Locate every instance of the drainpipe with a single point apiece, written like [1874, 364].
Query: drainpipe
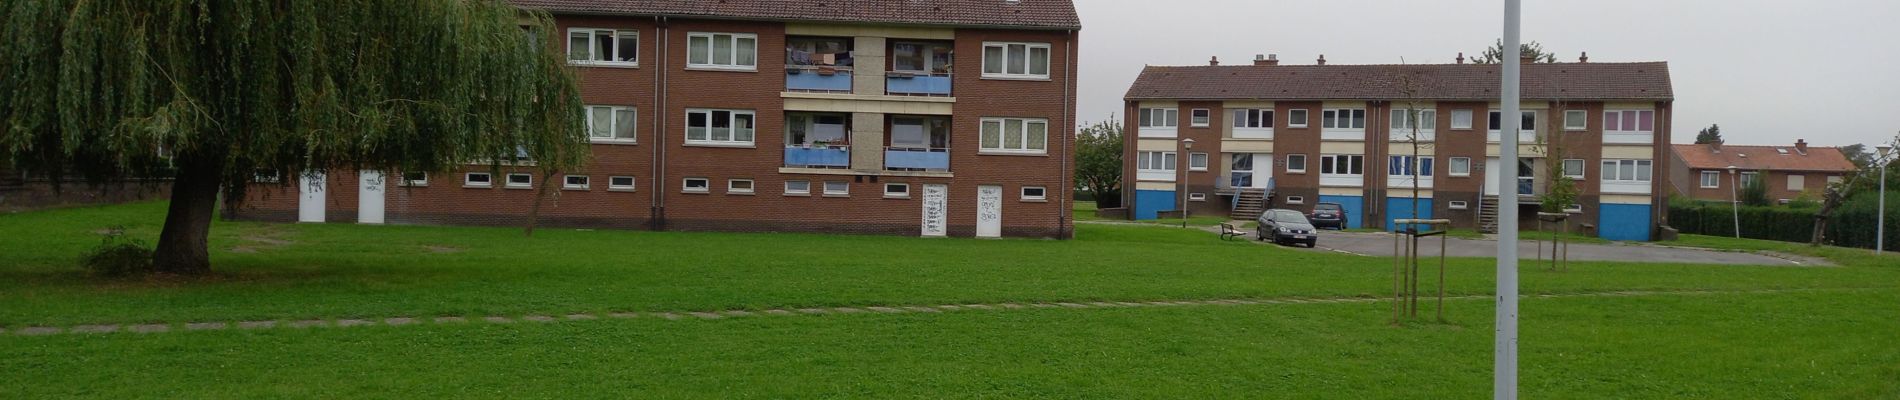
[658, 181]
[1063, 208]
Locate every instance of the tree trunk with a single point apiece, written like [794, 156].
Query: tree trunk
[183, 246]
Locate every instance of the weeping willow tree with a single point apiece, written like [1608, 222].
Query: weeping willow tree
[208, 93]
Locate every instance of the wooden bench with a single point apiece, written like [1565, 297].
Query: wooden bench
[1229, 230]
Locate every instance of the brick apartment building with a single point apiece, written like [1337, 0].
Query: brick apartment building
[939, 118]
[1701, 171]
[1268, 135]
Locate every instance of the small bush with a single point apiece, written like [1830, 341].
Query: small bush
[117, 256]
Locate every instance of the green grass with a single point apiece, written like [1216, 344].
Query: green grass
[1819, 344]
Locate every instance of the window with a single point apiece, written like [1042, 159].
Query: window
[610, 123]
[266, 176]
[417, 179]
[921, 57]
[1527, 124]
[518, 181]
[696, 185]
[1576, 120]
[738, 186]
[1343, 118]
[1402, 119]
[837, 188]
[1253, 118]
[817, 130]
[1296, 118]
[1460, 166]
[1711, 179]
[603, 46]
[574, 182]
[1573, 208]
[797, 188]
[1197, 196]
[1629, 120]
[1833, 179]
[478, 179]
[1460, 119]
[1342, 164]
[1015, 135]
[1016, 60]
[1296, 200]
[1197, 161]
[1573, 168]
[1155, 161]
[1459, 205]
[896, 190]
[1626, 170]
[719, 127]
[1407, 165]
[1035, 193]
[734, 51]
[1158, 117]
[1296, 163]
[1797, 182]
[1200, 117]
[920, 132]
[620, 183]
[1747, 177]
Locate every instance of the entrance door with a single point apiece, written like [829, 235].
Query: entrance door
[310, 206]
[1526, 176]
[989, 211]
[1250, 170]
[369, 198]
[935, 215]
[1490, 177]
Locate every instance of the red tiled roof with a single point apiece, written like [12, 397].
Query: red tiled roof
[1824, 159]
[1575, 81]
[1031, 14]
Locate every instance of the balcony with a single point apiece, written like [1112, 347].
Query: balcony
[818, 156]
[819, 79]
[917, 159]
[917, 83]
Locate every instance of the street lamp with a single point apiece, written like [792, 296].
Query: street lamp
[1880, 230]
[1187, 145]
[1734, 200]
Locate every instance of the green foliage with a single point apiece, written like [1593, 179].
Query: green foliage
[1754, 190]
[1852, 225]
[1098, 161]
[117, 256]
[1534, 50]
[1711, 134]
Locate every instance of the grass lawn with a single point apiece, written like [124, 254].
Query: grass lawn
[1834, 343]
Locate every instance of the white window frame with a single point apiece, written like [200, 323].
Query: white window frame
[1573, 208]
[732, 123]
[790, 191]
[1024, 192]
[593, 35]
[1704, 179]
[1576, 120]
[424, 182]
[1402, 129]
[1029, 51]
[1296, 200]
[632, 184]
[1466, 113]
[1155, 165]
[567, 182]
[1459, 205]
[686, 185]
[844, 192]
[1251, 123]
[1338, 178]
[1617, 181]
[733, 58]
[1197, 196]
[1451, 167]
[1343, 116]
[732, 186]
[1301, 115]
[468, 180]
[1524, 135]
[1200, 117]
[1197, 161]
[1303, 164]
[1580, 173]
[1158, 118]
[1797, 182]
[613, 124]
[510, 181]
[900, 194]
[1002, 140]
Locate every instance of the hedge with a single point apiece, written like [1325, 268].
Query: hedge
[1851, 226]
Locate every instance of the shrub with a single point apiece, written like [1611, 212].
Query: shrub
[118, 256]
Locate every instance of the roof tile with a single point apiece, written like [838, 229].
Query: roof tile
[1033, 14]
[1596, 81]
[1702, 156]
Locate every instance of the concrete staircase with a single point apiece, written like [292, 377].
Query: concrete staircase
[1488, 214]
[1248, 204]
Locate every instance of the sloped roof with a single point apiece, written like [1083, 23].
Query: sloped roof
[1030, 14]
[1571, 81]
[1819, 159]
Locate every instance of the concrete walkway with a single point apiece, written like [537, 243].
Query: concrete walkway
[1380, 245]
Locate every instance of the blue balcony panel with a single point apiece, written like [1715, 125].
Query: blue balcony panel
[839, 81]
[917, 159]
[817, 157]
[924, 85]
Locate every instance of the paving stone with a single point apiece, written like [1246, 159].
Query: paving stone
[1160, 303]
[623, 315]
[922, 309]
[538, 318]
[206, 326]
[308, 323]
[37, 331]
[1043, 305]
[706, 315]
[1124, 303]
[884, 309]
[353, 322]
[738, 313]
[848, 310]
[498, 320]
[95, 329]
[814, 311]
[256, 324]
[1244, 301]
[778, 312]
[149, 328]
[448, 320]
[399, 321]
[579, 317]
[1072, 305]
[670, 316]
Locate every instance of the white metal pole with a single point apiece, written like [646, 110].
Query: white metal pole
[1735, 201]
[1880, 231]
[1504, 373]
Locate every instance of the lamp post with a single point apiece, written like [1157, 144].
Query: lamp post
[1187, 145]
[1504, 341]
[1734, 200]
[1880, 230]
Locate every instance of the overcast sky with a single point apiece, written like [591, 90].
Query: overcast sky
[1767, 71]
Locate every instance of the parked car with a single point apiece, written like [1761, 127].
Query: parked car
[1284, 226]
[1329, 215]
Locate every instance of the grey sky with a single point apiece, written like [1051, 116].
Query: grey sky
[1768, 72]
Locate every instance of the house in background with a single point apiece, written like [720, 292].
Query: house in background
[1268, 135]
[1701, 171]
[938, 118]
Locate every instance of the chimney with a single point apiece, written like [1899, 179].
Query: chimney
[1801, 146]
[1585, 58]
[1526, 59]
[1215, 60]
[1269, 59]
[1461, 57]
[1322, 59]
